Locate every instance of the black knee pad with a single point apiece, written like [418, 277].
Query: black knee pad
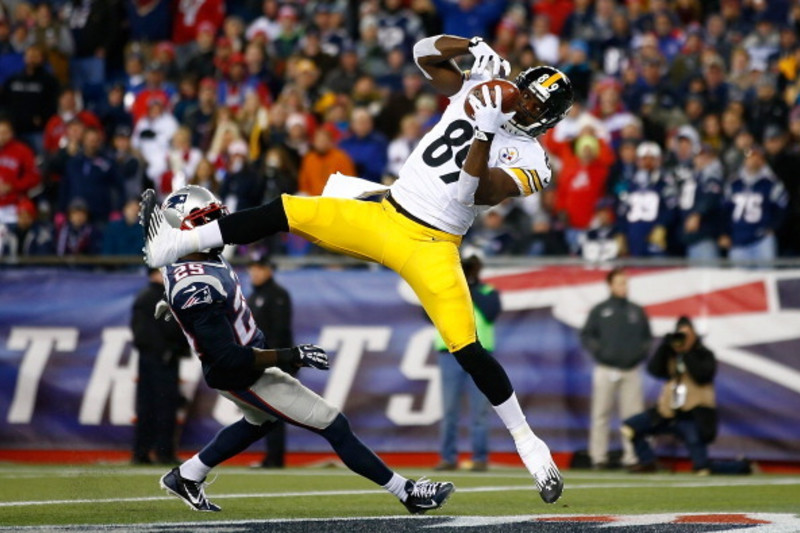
[486, 372]
[471, 357]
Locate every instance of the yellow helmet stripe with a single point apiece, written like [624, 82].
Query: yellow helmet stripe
[552, 79]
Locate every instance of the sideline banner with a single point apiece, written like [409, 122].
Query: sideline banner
[68, 371]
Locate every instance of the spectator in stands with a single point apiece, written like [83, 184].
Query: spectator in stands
[155, 87]
[400, 103]
[182, 161]
[456, 383]
[401, 147]
[617, 335]
[329, 21]
[112, 113]
[699, 204]
[150, 21]
[29, 236]
[200, 120]
[341, 79]
[55, 40]
[69, 108]
[320, 162]
[784, 160]
[366, 147]
[188, 19]
[543, 41]
[267, 23]
[576, 66]
[18, 172]
[29, 98]
[755, 207]
[280, 173]
[285, 43]
[646, 204]
[686, 406]
[152, 135]
[602, 240]
[295, 136]
[91, 176]
[78, 236]
[128, 163]
[243, 186]
[581, 183]
[124, 236]
[160, 344]
[768, 109]
[92, 23]
[186, 99]
[199, 59]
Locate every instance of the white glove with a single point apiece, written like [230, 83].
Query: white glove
[162, 309]
[484, 57]
[489, 117]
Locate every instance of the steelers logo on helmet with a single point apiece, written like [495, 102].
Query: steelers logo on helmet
[547, 97]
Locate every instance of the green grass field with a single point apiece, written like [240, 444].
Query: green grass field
[51, 495]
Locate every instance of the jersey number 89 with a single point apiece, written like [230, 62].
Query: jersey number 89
[443, 149]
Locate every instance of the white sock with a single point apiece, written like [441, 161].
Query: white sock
[194, 469]
[208, 236]
[531, 449]
[397, 486]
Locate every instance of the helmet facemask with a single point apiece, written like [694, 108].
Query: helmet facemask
[553, 90]
[192, 206]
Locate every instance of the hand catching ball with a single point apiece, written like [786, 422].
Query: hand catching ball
[510, 92]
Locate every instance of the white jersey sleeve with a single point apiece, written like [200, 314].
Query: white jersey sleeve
[427, 185]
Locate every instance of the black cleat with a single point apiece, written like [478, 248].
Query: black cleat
[425, 495]
[191, 492]
[549, 483]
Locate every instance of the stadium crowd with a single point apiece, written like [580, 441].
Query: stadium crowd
[684, 139]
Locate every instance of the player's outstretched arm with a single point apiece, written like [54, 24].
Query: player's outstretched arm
[477, 182]
[303, 355]
[434, 56]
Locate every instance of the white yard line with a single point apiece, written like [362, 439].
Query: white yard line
[526, 487]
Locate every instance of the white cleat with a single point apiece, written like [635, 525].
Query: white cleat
[160, 239]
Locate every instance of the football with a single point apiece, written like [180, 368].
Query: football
[510, 95]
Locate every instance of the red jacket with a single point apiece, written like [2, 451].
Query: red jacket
[581, 185]
[56, 128]
[190, 13]
[17, 169]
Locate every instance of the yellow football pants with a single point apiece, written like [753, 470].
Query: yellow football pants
[427, 259]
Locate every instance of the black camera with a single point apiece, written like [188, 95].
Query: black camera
[678, 337]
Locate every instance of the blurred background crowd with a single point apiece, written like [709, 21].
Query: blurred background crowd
[684, 139]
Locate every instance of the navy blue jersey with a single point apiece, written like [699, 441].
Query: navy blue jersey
[646, 201]
[754, 205]
[701, 193]
[206, 299]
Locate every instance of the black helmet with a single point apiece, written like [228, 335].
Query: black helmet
[553, 88]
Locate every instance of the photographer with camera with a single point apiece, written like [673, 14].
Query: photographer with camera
[686, 406]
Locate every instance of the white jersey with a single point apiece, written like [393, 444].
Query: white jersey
[427, 186]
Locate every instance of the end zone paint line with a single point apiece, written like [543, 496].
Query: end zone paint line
[526, 487]
[762, 522]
